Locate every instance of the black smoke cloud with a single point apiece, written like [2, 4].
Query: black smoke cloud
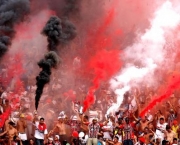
[11, 13]
[57, 32]
[50, 60]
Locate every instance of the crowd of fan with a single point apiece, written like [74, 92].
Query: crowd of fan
[124, 126]
[60, 120]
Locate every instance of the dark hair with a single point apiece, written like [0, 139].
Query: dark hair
[31, 139]
[85, 116]
[161, 118]
[11, 123]
[15, 137]
[168, 127]
[41, 118]
[116, 137]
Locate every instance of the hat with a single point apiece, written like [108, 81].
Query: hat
[57, 136]
[22, 115]
[74, 118]
[95, 118]
[50, 138]
[175, 122]
[81, 134]
[61, 115]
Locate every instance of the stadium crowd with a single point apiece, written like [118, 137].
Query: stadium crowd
[60, 119]
[57, 123]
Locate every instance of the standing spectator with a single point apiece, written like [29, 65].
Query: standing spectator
[175, 127]
[21, 126]
[128, 131]
[40, 132]
[60, 127]
[10, 132]
[93, 132]
[169, 134]
[160, 129]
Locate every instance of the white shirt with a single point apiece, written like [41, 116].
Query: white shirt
[38, 134]
[159, 133]
[109, 127]
[120, 138]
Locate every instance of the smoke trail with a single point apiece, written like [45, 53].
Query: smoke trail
[11, 13]
[57, 32]
[173, 84]
[105, 64]
[50, 60]
[148, 52]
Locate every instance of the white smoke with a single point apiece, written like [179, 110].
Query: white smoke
[149, 50]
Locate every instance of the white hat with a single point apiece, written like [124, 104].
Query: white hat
[74, 118]
[61, 115]
[50, 138]
[81, 134]
[57, 136]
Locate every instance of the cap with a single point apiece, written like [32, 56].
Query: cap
[22, 115]
[81, 134]
[57, 136]
[61, 115]
[175, 122]
[50, 138]
[95, 118]
[74, 118]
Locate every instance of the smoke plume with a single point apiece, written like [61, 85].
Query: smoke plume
[11, 13]
[149, 52]
[57, 32]
[50, 61]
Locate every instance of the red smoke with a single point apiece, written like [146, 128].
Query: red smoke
[104, 65]
[13, 71]
[104, 62]
[172, 85]
[11, 80]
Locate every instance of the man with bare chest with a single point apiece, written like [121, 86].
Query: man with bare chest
[147, 134]
[10, 132]
[61, 129]
[21, 126]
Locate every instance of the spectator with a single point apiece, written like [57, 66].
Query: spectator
[40, 132]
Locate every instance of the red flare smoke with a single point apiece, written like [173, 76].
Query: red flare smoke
[13, 71]
[172, 85]
[105, 60]
[105, 65]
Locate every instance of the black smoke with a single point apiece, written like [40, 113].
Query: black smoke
[57, 32]
[11, 13]
[50, 60]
